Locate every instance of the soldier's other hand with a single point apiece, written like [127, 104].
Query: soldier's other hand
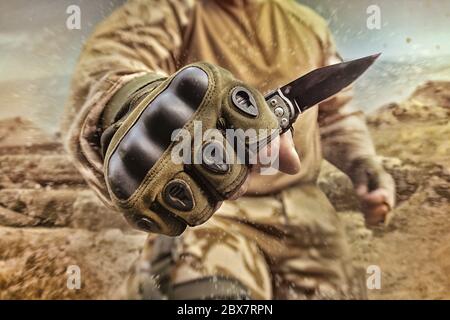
[375, 189]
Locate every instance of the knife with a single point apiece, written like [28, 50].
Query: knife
[289, 101]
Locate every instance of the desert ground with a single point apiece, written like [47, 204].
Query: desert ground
[50, 220]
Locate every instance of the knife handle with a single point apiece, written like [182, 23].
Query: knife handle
[282, 108]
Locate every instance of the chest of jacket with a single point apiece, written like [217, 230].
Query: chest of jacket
[264, 45]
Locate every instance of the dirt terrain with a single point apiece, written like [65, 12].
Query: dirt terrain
[414, 251]
[49, 220]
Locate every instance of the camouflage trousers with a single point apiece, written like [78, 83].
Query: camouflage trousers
[286, 246]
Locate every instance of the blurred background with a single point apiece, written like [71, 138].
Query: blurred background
[38, 53]
[50, 219]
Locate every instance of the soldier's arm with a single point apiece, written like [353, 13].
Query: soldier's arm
[141, 38]
[347, 144]
[344, 133]
[128, 104]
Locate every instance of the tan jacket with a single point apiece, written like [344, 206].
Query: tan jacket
[265, 43]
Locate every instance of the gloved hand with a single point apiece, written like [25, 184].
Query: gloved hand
[374, 187]
[158, 194]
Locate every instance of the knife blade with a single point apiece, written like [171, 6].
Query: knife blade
[289, 101]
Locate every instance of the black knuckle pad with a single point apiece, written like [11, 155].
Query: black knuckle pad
[242, 107]
[214, 157]
[191, 85]
[247, 109]
[186, 200]
[244, 101]
[220, 168]
[178, 195]
[121, 182]
[157, 220]
[129, 164]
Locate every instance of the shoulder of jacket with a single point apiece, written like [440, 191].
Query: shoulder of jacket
[138, 12]
[176, 4]
[308, 17]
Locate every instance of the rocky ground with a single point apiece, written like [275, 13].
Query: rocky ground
[49, 220]
[413, 250]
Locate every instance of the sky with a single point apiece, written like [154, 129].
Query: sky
[38, 53]
[408, 27]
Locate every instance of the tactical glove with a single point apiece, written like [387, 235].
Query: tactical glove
[156, 193]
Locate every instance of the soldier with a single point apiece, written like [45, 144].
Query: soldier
[131, 89]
